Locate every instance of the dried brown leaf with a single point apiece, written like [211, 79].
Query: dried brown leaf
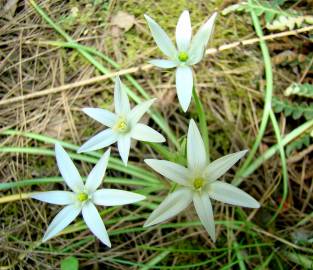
[123, 20]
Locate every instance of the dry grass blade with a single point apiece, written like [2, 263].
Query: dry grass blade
[147, 67]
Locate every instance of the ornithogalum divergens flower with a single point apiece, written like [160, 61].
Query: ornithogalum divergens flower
[188, 52]
[123, 125]
[83, 197]
[198, 183]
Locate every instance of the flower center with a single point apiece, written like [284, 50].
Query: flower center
[82, 196]
[198, 183]
[121, 125]
[183, 56]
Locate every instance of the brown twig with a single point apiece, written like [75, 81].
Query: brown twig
[146, 67]
[300, 155]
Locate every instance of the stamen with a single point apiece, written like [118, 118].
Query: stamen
[198, 183]
[183, 56]
[82, 196]
[121, 125]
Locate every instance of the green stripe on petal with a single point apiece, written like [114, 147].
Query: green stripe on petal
[55, 197]
[139, 110]
[100, 140]
[183, 31]
[228, 193]
[96, 175]
[114, 197]
[204, 210]
[121, 101]
[184, 83]
[170, 170]
[95, 223]
[142, 132]
[220, 166]
[123, 144]
[171, 206]
[200, 41]
[161, 63]
[104, 117]
[68, 170]
[196, 154]
[61, 220]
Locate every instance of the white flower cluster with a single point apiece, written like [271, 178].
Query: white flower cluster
[197, 183]
[189, 52]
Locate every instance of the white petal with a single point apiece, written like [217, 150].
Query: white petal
[100, 140]
[121, 101]
[95, 223]
[171, 206]
[196, 154]
[138, 111]
[200, 40]
[55, 197]
[183, 31]
[95, 177]
[170, 170]
[142, 132]
[161, 38]
[228, 193]
[163, 63]
[204, 210]
[123, 144]
[61, 220]
[220, 166]
[68, 170]
[113, 197]
[105, 117]
[184, 83]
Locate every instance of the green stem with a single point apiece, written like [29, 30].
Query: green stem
[202, 121]
[268, 91]
[268, 110]
[284, 166]
[240, 257]
[162, 151]
[58, 179]
[141, 174]
[155, 260]
[130, 169]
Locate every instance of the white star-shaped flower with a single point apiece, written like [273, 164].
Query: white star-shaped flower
[198, 183]
[123, 124]
[83, 197]
[188, 52]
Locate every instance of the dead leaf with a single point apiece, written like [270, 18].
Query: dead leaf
[123, 20]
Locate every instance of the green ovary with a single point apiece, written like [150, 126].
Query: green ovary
[82, 196]
[183, 56]
[198, 183]
[121, 125]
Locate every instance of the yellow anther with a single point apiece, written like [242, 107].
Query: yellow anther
[198, 183]
[121, 125]
[82, 196]
[183, 56]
